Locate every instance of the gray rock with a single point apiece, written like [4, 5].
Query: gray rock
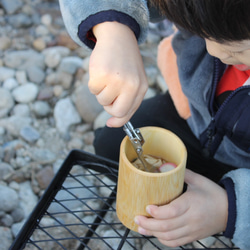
[52, 58]
[10, 83]
[14, 124]
[21, 162]
[22, 110]
[62, 51]
[43, 156]
[6, 73]
[44, 177]
[87, 104]
[41, 108]
[28, 199]
[6, 221]
[5, 238]
[16, 227]
[5, 42]
[25, 93]
[20, 20]
[35, 74]
[46, 19]
[23, 59]
[59, 78]
[101, 119]
[45, 93]
[70, 64]
[57, 165]
[75, 143]
[13, 144]
[41, 30]
[2, 131]
[5, 170]
[11, 6]
[17, 214]
[21, 76]
[29, 134]
[6, 102]
[65, 115]
[8, 199]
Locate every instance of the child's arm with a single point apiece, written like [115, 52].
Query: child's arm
[117, 76]
[80, 16]
[116, 70]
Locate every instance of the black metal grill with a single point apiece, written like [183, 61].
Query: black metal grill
[77, 211]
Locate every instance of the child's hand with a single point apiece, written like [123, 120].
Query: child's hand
[198, 213]
[116, 70]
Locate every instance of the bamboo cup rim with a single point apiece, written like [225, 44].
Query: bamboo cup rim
[156, 175]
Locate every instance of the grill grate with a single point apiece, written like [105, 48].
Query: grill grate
[77, 211]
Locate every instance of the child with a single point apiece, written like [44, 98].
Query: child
[206, 65]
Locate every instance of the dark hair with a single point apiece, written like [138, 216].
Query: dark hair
[220, 20]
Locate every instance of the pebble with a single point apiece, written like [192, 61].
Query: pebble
[5, 43]
[44, 177]
[5, 238]
[25, 93]
[21, 109]
[5, 170]
[21, 77]
[27, 198]
[11, 6]
[43, 156]
[41, 108]
[6, 73]
[70, 64]
[6, 102]
[86, 104]
[29, 134]
[35, 74]
[8, 199]
[10, 83]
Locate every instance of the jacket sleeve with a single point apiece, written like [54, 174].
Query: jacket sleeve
[80, 16]
[237, 184]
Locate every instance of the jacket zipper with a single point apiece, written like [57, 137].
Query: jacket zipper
[211, 130]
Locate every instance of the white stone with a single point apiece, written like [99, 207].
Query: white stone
[25, 93]
[6, 73]
[21, 76]
[65, 115]
[70, 64]
[46, 19]
[28, 199]
[41, 30]
[52, 58]
[10, 83]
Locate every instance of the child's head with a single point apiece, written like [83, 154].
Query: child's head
[219, 20]
[225, 25]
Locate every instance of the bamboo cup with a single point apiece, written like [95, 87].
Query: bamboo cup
[136, 188]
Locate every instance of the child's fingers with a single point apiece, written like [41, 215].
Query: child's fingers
[174, 209]
[160, 226]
